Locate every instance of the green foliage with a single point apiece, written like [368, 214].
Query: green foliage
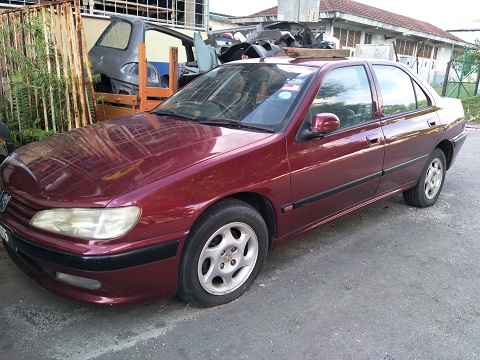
[26, 77]
[36, 88]
[472, 108]
[474, 53]
[468, 61]
[460, 91]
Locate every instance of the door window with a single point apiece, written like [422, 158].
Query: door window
[400, 94]
[346, 93]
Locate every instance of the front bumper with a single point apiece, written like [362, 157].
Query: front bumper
[130, 277]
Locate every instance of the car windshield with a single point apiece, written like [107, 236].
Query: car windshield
[243, 94]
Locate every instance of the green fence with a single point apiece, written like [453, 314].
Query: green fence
[462, 77]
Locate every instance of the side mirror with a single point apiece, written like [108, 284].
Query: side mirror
[324, 123]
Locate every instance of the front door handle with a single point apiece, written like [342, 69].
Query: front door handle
[374, 140]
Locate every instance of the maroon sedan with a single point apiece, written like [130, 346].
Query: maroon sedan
[187, 199]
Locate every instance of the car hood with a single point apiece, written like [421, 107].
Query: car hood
[97, 163]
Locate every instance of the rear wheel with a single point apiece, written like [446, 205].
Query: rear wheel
[104, 85]
[223, 254]
[427, 190]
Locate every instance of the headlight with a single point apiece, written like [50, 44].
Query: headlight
[101, 223]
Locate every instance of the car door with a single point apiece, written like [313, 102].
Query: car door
[343, 168]
[410, 124]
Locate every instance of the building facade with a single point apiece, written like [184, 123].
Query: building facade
[368, 31]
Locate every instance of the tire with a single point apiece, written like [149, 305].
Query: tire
[104, 85]
[427, 190]
[223, 254]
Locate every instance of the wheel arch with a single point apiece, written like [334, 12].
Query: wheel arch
[447, 148]
[259, 203]
[210, 227]
[264, 207]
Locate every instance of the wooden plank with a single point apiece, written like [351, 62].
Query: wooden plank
[112, 106]
[115, 105]
[158, 92]
[173, 70]
[120, 99]
[107, 112]
[307, 53]
[142, 75]
[145, 92]
[152, 104]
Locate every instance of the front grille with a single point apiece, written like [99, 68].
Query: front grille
[18, 211]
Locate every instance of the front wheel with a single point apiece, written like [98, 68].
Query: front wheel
[426, 191]
[223, 254]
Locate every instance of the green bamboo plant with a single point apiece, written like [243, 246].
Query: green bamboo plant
[40, 94]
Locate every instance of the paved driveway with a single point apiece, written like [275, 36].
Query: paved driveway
[388, 282]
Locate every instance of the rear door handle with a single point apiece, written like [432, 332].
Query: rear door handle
[431, 122]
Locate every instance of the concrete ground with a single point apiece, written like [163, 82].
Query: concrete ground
[387, 282]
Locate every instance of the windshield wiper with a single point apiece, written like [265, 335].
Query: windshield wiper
[233, 124]
[214, 122]
[173, 113]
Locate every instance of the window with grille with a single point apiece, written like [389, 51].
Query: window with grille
[404, 47]
[186, 14]
[347, 37]
[425, 51]
[189, 14]
[368, 38]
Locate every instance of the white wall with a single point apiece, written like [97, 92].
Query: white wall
[93, 27]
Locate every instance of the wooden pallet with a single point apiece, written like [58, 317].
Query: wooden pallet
[307, 53]
[111, 106]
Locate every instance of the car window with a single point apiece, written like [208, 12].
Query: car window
[400, 94]
[346, 93]
[117, 35]
[259, 94]
[422, 99]
[158, 46]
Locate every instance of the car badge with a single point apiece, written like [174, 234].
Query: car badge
[4, 199]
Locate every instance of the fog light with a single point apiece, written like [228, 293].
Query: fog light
[79, 281]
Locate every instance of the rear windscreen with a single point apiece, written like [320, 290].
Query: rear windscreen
[116, 35]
